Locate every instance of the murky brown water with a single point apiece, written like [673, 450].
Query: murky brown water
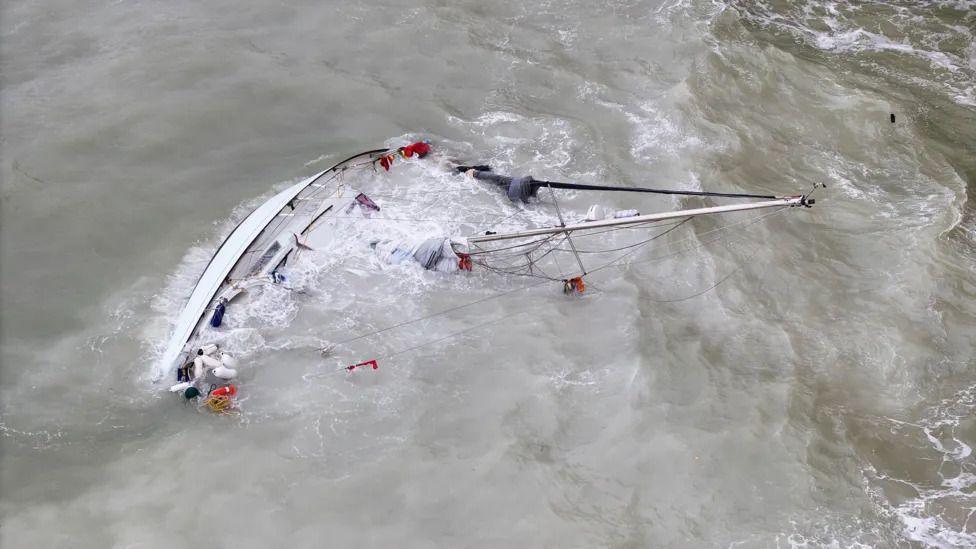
[822, 395]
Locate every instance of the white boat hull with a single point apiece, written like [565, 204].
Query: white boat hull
[267, 236]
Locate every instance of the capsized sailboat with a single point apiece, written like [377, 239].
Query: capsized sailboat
[305, 215]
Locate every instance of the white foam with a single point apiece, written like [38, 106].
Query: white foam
[919, 35]
[920, 516]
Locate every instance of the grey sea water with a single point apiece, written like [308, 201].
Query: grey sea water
[823, 395]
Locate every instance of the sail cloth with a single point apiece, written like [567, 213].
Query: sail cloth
[433, 254]
[517, 188]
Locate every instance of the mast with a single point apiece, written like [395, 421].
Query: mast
[526, 186]
[788, 201]
[611, 188]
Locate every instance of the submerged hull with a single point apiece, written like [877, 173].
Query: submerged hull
[263, 242]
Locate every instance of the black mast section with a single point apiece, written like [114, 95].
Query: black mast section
[585, 187]
[524, 187]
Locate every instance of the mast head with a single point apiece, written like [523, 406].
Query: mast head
[808, 202]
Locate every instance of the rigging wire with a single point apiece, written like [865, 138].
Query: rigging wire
[717, 231]
[454, 334]
[613, 264]
[441, 312]
[569, 239]
[643, 227]
[422, 345]
[512, 247]
[516, 313]
[319, 188]
[641, 243]
[534, 262]
[738, 268]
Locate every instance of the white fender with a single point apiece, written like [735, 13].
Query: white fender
[596, 213]
[209, 349]
[228, 360]
[198, 367]
[225, 373]
[180, 387]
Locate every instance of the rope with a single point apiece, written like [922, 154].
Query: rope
[700, 244]
[516, 212]
[530, 286]
[451, 335]
[634, 248]
[220, 404]
[530, 263]
[547, 278]
[614, 263]
[512, 247]
[562, 223]
[422, 345]
[439, 313]
[636, 227]
[746, 222]
[544, 239]
[641, 243]
[710, 288]
[648, 241]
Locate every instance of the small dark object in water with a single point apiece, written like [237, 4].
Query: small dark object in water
[892, 118]
[218, 315]
[478, 168]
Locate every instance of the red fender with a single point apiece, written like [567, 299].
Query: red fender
[229, 391]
